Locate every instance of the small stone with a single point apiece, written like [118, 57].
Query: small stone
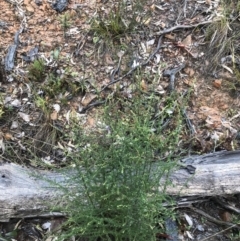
[200, 228]
[189, 71]
[217, 83]
[54, 115]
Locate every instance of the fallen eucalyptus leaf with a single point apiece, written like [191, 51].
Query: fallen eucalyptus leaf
[24, 116]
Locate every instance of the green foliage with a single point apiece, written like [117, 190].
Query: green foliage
[64, 84]
[238, 6]
[65, 22]
[117, 172]
[43, 105]
[223, 35]
[37, 70]
[2, 111]
[111, 29]
[119, 21]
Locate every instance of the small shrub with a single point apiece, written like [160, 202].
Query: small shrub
[118, 168]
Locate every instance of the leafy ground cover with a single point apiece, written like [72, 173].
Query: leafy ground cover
[90, 83]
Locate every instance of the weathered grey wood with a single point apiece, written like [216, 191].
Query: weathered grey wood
[25, 192]
[216, 174]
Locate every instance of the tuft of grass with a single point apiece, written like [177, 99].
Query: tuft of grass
[37, 70]
[43, 105]
[65, 22]
[2, 108]
[223, 35]
[44, 140]
[117, 172]
[120, 20]
[63, 85]
[111, 28]
[41, 140]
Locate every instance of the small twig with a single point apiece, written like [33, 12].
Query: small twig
[116, 70]
[212, 219]
[80, 44]
[133, 69]
[226, 205]
[97, 103]
[12, 2]
[184, 8]
[169, 30]
[235, 116]
[181, 45]
[222, 231]
[171, 73]
[189, 123]
[161, 33]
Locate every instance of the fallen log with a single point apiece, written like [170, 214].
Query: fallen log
[26, 192]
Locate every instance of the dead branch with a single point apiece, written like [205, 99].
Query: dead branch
[26, 192]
